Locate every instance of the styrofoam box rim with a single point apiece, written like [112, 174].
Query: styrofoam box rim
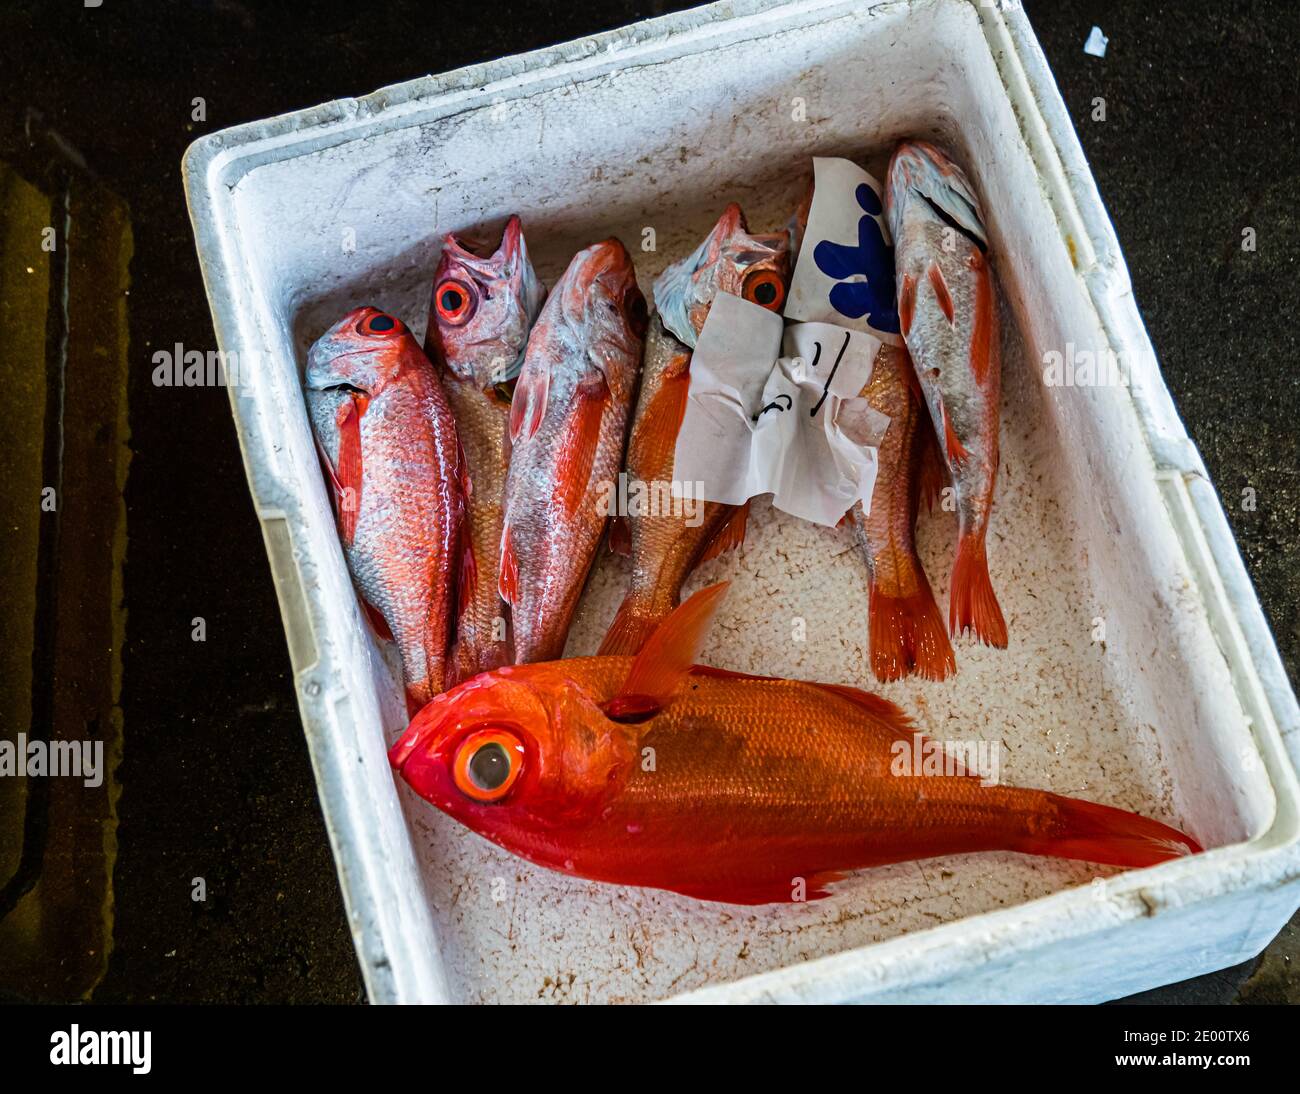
[381, 885]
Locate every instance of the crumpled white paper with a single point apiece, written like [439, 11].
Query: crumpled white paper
[845, 270]
[790, 425]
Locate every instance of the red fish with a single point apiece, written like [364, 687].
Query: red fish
[667, 543]
[906, 629]
[479, 318]
[948, 312]
[388, 442]
[568, 421]
[653, 771]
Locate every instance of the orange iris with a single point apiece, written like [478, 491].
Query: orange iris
[455, 301]
[379, 324]
[764, 288]
[487, 764]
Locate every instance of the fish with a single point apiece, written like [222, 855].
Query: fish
[948, 312]
[657, 772]
[667, 541]
[568, 425]
[388, 443]
[480, 313]
[906, 630]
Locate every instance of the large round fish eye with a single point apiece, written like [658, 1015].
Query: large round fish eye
[764, 288]
[378, 324]
[487, 764]
[455, 301]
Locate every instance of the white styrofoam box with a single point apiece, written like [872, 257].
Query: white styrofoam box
[1105, 517]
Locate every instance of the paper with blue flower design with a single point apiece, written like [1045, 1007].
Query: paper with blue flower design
[845, 270]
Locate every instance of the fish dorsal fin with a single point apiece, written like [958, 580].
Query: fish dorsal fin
[878, 708]
[666, 658]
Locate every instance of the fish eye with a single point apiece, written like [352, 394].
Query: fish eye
[764, 288]
[378, 324]
[487, 764]
[455, 301]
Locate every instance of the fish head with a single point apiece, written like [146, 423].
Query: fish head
[923, 182]
[730, 260]
[597, 304]
[363, 351]
[517, 749]
[483, 307]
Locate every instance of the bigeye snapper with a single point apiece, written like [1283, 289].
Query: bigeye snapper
[948, 311]
[667, 543]
[568, 423]
[905, 630]
[480, 314]
[657, 772]
[388, 443]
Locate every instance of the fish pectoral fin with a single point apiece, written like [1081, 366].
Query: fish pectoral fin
[654, 438]
[508, 575]
[347, 478]
[528, 404]
[578, 449]
[731, 534]
[941, 294]
[666, 658]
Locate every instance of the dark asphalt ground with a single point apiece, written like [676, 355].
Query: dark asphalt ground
[1200, 142]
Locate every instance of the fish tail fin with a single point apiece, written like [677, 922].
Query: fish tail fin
[632, 626]
[972, 603]
[907, 635]
[1100, 833]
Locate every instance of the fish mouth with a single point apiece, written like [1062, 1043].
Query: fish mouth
[477, 257]
[606, 263]
[924, 170]
[421, 729]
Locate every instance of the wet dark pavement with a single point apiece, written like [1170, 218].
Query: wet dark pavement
[1200, 142]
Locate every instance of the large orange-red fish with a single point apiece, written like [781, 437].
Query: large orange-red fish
[568, 422]
[388, 442]
[667, 541]
[905, 628]
[947, 309]
[481, 311]
[654, 771]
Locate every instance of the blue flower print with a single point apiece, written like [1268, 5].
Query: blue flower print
[871, 266]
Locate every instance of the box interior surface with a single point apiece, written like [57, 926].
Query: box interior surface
[1112, 689]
